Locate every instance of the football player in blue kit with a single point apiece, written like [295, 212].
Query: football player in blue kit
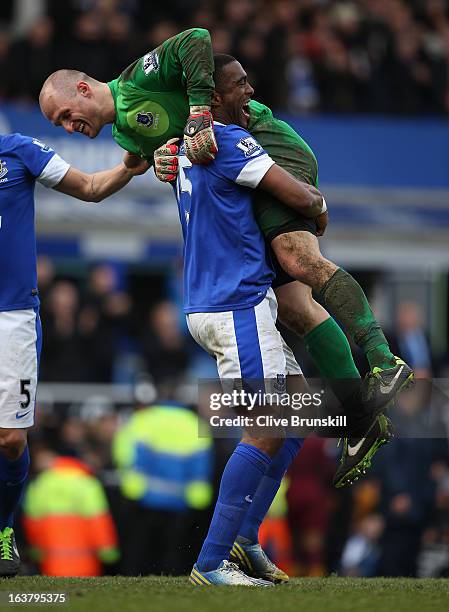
[23, 161]
[231, 312]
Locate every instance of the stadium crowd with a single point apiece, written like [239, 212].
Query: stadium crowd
[339, 56]
[393, 522]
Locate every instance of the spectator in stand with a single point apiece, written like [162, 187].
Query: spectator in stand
[124, 46]
[32, 58]
[62, 360]
[411, 339]
[165, 349]
[102, 282]
[406, 501]
[87, 47]
[303, 96]
[70, 438]
[101, 422]
[221, 40]
[433, 560]
[5, 59]
[250, 49]
[378, 40]
[106, 323]
[66, 13]
[45, 280]
[362, 552]
[179, 11]
[159, 32]
[336, 80]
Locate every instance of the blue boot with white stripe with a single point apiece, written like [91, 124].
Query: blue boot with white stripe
[226, 574]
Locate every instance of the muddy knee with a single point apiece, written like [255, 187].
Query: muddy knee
[299, 255]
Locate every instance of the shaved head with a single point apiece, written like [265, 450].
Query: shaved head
[63, 83]
[74, 100]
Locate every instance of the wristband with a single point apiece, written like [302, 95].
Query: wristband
[198, 109]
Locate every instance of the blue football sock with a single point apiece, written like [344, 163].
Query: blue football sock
[268, 488]
[13, 475]
[241, 477]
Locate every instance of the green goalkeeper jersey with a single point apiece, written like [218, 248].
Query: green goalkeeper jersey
[153, 95]
[292, 153]
[283, 144]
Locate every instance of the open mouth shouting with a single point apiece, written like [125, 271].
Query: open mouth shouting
[245, 112]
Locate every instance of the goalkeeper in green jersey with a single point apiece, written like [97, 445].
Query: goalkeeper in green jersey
[162, 94]
[168, 92]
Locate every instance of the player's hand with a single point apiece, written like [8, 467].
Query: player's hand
[321, 223]
[199, 137]
[166, 161]
[135, 164]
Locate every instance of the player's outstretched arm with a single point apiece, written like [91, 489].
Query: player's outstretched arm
[190, 53]
[98, 186]
[192, 50]
[302, 197]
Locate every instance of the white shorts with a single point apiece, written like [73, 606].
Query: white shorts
[20, 342]
[245, 343]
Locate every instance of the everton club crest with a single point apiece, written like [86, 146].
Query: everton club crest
[3, 169]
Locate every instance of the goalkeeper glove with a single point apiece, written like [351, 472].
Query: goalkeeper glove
[199, 137]
[166, 161]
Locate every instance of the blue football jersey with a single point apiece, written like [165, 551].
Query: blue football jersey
[23, 160]
[225, 261]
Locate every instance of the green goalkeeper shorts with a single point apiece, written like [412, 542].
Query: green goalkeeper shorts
[274, 219]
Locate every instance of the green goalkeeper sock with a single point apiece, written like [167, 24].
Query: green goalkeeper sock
[344, 297]
[329, 349]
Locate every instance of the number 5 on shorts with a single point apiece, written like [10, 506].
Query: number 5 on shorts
[24, 391]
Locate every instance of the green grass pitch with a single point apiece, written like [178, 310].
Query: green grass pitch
[119, 594]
